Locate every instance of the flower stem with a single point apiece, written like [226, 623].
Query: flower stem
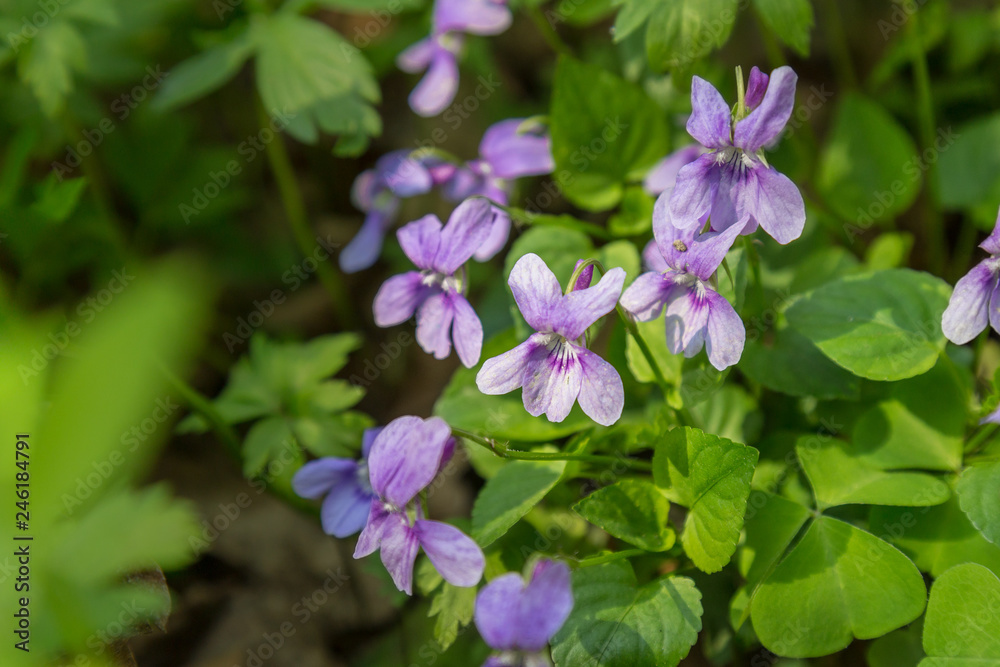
[295, 211]
[613, 556]
[503, 451]
[754, 260]
[840, 50]
[549, 33]
[981, 437]
[204, 408]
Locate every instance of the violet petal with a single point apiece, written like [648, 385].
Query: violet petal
[763, 125]
[405, 457]
[454, 554]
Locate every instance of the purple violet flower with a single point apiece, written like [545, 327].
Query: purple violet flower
[377, 192]
[734, 184]
[404, 460]
[682, 262]
[551, 366]
[992, 418]
[346, 486]
[510, 149]
[438, 53]
[663, 175]
[435, 292]
[519, 619]
[975, 303]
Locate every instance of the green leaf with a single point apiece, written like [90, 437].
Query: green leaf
[308, 73]
[920, 424]
[198, 76]
[711, 477]
[861, 184]
[900, 648]
[979, 496]
[936, 538]
[836, 584]
[454, 607]
[788, 362]
[631, 16]
[559, 248]
[509, 495]
[617, 623]
[682, 32]
[635, 216]
[881, 326]
[633, 510]
[605, 131]
[267, 440]
[968, 170]
[48, 65]
[840, 477]
[790, 20]
[620, 254]
[962, 628]
[655, 337]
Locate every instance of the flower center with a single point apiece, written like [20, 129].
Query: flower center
[445, 283]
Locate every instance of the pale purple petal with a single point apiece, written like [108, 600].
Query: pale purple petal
[687, 317]
[478, 17]
[967, 313]
[438, 87]
[398, 298]
[644, 298]
[672, 240]
[316, 478]
[710, 119]
[467, 331]
[513, 154]
[399, 551]
[694, 192]
[585, 277]
[992, 418]
[505, 373]
[653, 259]
[580, 309]
[463, 183]
[725, 335]
[545, 605]
[536, 291]
[405, 457]
[664, 174]
[368, 439]
[728, 205]
[364, 248]
[364, 189]
[602, 395]
[368, 540]
[706, 253]
[771, 200]
[498, 609]
[995, 309]
[763, 125]
[497, 239]
[454, 554]
[345, 510]
[756, 88]
[404, 175]
[434, 325]
[992, 242]
[468, 228]
[420, 240]
[552, 382]
[417, 57]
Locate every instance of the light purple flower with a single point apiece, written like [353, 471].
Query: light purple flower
[734, 184]
[377, 192]
[519, 619]
[404, 460]
[510, 149]
[435, 292]
[992, 418]
[346, 486]
[663, 175]
[683, 261]
[553, 369]
[438, 53]
[976, 299]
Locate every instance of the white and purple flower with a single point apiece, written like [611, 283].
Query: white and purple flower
[436, 293]
[682, 262]
[554, 369]
[733, 183]
[404, 460]
[975, 303]
[438, 53]
[518, 619]
[510, 149]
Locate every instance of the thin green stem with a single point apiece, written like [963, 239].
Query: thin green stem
[840, 51]
[754, 260]
[548, 33]
[204, 408]
[295, 211]
[613, 556]
[578, 271]
[925, 115]
[502, 450]
[981, 437]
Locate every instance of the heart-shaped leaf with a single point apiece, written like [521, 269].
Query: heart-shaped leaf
[962, 628]
[633, 510]
[979, 495]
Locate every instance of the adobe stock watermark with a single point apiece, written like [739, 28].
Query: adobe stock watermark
[902, 10]
[33, 24]
[122, 107]
[373, 367]
[87, 310]
[912, 170]
[218, 181]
